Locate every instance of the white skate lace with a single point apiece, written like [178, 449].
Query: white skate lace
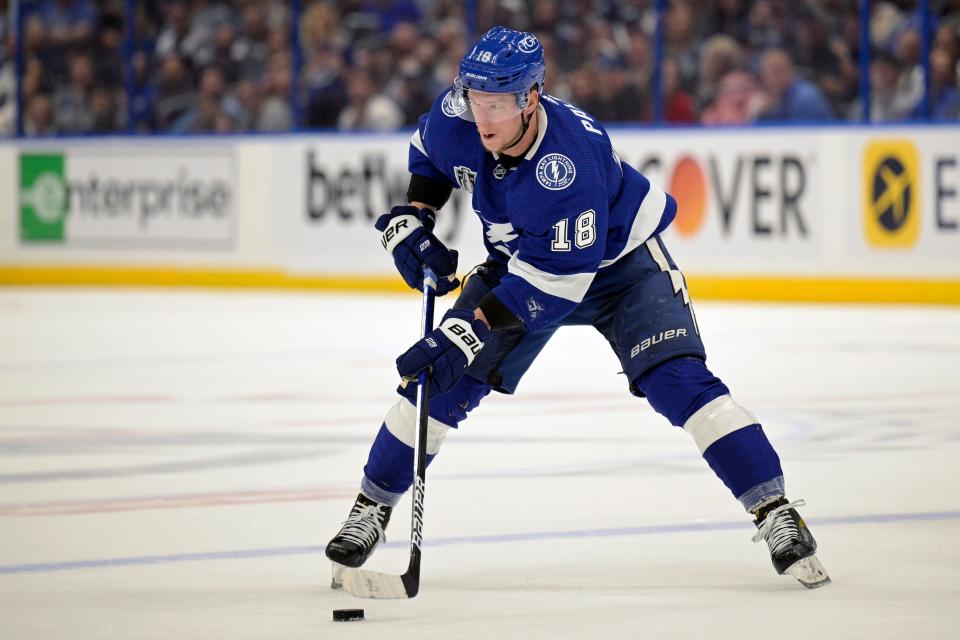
[363, 526]
[778, 528]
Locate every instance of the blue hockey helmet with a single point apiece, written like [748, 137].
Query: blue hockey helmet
[503, 61]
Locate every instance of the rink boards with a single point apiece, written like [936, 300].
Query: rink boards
[842, 213]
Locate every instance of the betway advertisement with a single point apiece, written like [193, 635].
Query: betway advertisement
[332, 189]
[126, 198]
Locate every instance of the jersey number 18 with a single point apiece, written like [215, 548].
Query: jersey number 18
[584, 235]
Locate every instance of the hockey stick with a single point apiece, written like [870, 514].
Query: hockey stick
[370, 584]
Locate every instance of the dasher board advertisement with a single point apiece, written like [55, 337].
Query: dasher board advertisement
[127, 198]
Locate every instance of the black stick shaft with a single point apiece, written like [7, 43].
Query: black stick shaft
[411, 579]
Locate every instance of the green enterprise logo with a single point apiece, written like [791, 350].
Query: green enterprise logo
[44, 197]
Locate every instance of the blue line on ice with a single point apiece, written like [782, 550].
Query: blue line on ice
[463, 540]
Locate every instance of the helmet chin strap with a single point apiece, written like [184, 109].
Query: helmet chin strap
[523, 130]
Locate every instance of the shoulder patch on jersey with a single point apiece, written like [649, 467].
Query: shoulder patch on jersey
[451, 108]
[466, 177]
[555, 171]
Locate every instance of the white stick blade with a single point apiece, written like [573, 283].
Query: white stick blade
[370, 584]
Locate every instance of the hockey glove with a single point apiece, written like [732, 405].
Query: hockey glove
[446, 351]
[407, 233]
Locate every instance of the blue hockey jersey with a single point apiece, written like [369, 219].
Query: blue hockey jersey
[569, 209]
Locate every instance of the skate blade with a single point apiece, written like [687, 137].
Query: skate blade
[809, 572]
[336, 578]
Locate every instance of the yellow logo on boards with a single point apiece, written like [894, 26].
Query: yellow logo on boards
[891, 193]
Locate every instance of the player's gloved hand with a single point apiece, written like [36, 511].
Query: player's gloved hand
[407, 233]
[446, 351]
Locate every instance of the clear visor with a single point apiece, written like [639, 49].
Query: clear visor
[480, 106]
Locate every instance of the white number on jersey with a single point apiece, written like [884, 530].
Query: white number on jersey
[585, 232]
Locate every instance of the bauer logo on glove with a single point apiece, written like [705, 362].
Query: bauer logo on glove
[446, 351]
[407, 233]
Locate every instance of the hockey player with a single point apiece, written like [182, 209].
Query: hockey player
[573, 239]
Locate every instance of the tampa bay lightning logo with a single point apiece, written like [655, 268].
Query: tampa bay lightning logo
[451, 106]
[555, 171]
[528, 44]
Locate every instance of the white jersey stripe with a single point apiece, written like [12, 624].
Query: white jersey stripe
[572, 286]
[648, 217]
[719, 417]
[417, 142]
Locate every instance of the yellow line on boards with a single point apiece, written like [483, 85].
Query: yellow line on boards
[824, 289]
[177, 277]
[758, 288]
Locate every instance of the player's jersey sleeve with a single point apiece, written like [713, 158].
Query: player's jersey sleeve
[441, 142]
[559, 251]
[419, 162]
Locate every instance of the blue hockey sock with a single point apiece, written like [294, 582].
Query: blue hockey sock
[747, 464]
[729, 437]
[389, 469]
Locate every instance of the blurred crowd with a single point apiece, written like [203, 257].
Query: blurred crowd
[248, 65]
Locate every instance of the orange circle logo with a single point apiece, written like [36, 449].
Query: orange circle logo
[689, 186]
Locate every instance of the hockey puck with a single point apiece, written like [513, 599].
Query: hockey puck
[347, 615]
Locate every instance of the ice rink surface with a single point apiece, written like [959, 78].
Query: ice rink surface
[172, 464]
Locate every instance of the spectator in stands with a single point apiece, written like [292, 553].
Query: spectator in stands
[886, 104]
[679, 106]
[910, 84]
[736, 102]
[545, 17]
[70, 23]
[639, 59]
[389, 13]
[177, 36]
[367, 108]
[211, 102]
[326, 88]
[8, 99]
[251, 50]
[600, 50]
[946, 40]
[104, 115]
[275, 112]
[720, 55]
[620, 101]
[764, 30]
[411, 82]
[8, 85]
[825, 60]
[729, 17]
[788, 97]
[944, 97]
[144, 98]
[37, 47]
[6, 42]
[38, 117]
[207, 15]
[584, 90]
[451, 39]
[248, 97]
[221, 52]
[175, 92]
[109, 61]
[682, 43]
[71, 102]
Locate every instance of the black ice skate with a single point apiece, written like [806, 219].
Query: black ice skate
[360, 534]
[792, 546]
